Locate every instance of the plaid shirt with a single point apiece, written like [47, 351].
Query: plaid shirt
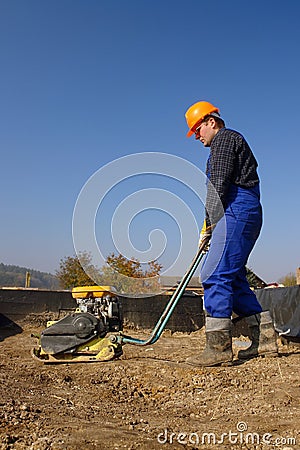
[231, 161]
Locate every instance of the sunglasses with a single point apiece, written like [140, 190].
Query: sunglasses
[197, 130]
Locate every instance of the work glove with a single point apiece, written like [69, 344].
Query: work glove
[205, 236]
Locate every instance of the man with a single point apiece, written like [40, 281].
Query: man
[233, 221]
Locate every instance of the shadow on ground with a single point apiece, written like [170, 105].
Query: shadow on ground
[8, 327]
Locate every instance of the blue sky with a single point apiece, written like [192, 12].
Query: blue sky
[86, 82]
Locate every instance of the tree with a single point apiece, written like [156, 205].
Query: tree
[288, 280]
[71, 272]
[128, 276]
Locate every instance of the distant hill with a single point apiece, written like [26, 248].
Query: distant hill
[14, 276]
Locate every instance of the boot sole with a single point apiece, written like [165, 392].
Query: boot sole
[216, 364]
[226, 364]
[262, 355]
[268, 354]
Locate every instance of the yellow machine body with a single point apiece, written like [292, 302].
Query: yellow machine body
[91, 291]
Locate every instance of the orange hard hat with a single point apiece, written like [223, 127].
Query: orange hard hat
[196, 113]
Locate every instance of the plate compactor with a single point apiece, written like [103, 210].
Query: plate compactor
[93, 333]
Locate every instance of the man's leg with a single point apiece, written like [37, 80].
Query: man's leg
[245, 303]
[226, 258]
[263, 337]
[218, 349]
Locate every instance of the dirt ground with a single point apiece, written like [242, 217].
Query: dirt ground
[147, 399]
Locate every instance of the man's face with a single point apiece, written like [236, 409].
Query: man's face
[206, 131]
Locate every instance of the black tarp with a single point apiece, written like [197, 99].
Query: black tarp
[284, 306]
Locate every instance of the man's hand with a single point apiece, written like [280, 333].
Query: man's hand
[205, 236]
[205, 239]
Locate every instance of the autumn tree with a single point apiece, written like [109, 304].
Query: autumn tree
[289, 280]
[71, 272]
[129, 277]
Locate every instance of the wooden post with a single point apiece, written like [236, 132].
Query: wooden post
[27, 280]
[298, 275]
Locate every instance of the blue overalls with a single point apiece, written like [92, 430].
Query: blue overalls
[223, 273]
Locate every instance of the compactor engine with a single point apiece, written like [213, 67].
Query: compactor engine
[106, 307]
[81, 335]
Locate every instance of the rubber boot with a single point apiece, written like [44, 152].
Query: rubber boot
[218, 348]
[263, 337]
